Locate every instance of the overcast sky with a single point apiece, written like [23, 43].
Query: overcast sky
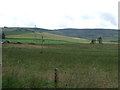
[54, 14]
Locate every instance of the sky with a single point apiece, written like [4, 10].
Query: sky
[58, 14]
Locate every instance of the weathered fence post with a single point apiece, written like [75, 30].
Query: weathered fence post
[56, 78]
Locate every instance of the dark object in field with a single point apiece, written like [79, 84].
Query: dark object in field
[5, 41]
[19, 43]
[56, 78]
[3, 35]
[5, 27]
[93, 41]
[100, 40]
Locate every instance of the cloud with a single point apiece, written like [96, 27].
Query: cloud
[86, 17]
[54, 14]
[108, 17]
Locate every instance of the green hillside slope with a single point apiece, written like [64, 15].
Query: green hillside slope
[49, 36]
[107, 34]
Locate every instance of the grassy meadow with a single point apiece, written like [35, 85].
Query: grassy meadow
[38, 41]
[79, 66]
[46, 36]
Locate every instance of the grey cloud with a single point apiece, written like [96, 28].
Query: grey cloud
[86, 17]
[69, 18]
[108, 17]
[18, 21]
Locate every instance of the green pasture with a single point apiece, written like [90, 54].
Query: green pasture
[79, 66]
[7, 33]
[47, 41]
[49, 36]
[38, 41]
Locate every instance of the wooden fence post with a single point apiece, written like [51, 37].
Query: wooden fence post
[56, 78]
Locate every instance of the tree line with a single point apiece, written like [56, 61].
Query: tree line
[99, 39]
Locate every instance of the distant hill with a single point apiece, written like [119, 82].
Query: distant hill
[107, 34]
[23, 29]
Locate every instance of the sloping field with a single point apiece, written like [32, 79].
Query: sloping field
[49, 36]
[107, 34]
[32, 34]
[37, 41]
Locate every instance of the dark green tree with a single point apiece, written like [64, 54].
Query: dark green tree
[92, 41]
[3, 35]
[100, 40]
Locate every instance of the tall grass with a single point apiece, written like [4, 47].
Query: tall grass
[80, 66]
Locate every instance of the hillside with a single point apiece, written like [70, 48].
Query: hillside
[47, 36]
[107, 34]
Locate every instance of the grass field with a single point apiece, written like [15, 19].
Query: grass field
[47, 36]
[34, 37]
[79, 65]
[38, 41]
[7, 33]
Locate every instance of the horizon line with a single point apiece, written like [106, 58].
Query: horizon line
[57, 28]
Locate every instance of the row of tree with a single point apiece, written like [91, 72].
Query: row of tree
[99, 39]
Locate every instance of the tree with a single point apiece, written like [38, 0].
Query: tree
[100, 40]
[92, 41]
[3, 36]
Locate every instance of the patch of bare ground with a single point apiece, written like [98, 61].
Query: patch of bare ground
[27, 46]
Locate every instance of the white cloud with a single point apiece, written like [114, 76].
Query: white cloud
[54, 14]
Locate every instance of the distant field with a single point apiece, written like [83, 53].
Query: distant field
[107, 34]
[79, 65]
[31, 33]
[38, 41]
[48, 36]
[15, 32]
[27, 37]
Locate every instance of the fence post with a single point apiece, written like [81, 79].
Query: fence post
[56, 78]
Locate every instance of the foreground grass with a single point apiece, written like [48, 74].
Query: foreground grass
[80, 66]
